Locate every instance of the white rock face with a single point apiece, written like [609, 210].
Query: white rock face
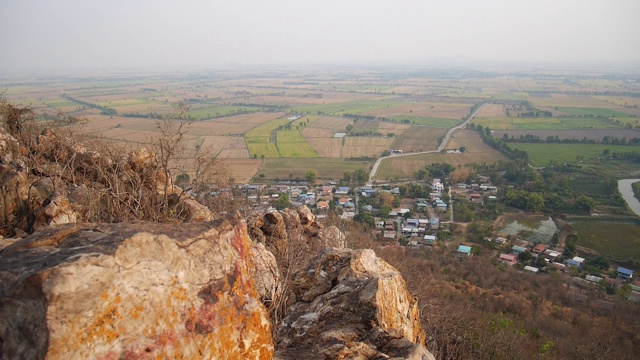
[133, 291]
[353, 305]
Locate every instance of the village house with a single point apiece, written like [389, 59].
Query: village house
[436, 185]
[389, 235]
[518, 249]
[464, 250]
[576, 262]
[539, 249]
[322, 205]
[342, 190]
[624, 273]
[429, 239]
[510, 259]
[379, 224]
[326, 190]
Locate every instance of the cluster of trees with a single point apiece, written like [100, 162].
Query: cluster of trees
[531, 138]
[356, 177]
[103, 109]
[498, 144]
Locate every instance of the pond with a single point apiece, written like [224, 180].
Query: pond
[540, 231]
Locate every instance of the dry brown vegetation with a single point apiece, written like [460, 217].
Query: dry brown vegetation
[475, 308]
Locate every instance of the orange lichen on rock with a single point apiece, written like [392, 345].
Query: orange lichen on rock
[135, 291]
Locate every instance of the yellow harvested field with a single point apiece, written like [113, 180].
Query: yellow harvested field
[419, 138]
[234, 154]
[326, 147]
[311, 132]
[381, 127]
[330, 122]
[563, 100]
[470, 139]
[492, 111]
[365, 146]
[214, 144]
[405, 166]
[241, 170]
[104, 122]
[424, 109]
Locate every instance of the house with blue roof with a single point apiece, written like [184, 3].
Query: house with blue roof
[624, 273]
[466, 250]
[518, 249]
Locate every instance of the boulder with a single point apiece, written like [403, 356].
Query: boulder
[266, 274]
[132, 291]
[193, 210]
[56, 210]
[306, 216]
[274, 225]
[353, 305]
[332, 237]
[14, 192]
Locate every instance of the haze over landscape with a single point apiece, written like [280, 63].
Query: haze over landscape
[74, 35]
[208, 179]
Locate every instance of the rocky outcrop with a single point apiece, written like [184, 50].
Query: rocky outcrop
[61, 181]
[352, 305]
[132, 291]
[275, 227]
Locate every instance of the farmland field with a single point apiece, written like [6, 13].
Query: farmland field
[616, 239]
[571, 134]
[381, 127]
[541, 154]
[326, 147]
[403, 167]
[292, 144]
[419, 138]
[282, 168]
[506, 123]
[470, 140]
[595, 112]
[365, 146]
[411, 109]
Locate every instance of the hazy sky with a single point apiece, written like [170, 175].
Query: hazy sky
[48, 35]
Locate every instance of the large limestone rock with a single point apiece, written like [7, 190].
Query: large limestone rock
[132, 291]
[56, 210]
[352, 305]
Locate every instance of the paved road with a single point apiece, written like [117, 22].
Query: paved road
[624, 186]
[442, 144]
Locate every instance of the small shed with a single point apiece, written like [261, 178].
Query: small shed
[531, 269]
[624, 273]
